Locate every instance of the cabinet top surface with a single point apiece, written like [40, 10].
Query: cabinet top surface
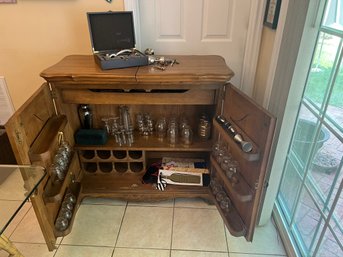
[74, 69]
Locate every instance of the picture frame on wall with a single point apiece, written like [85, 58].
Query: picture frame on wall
[271, 15]
[8, 1]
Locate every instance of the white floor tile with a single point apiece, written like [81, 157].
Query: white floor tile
[175, 253]
[128, 252]
[193, 203]
[7, 190]
[95, 225]
[168, 203]
[198, 229]
[7, 210]
[28, 230]
[102, 201]
[83, 251]
[146, 227]
[254, 255]
[266, 241]
[31, 250]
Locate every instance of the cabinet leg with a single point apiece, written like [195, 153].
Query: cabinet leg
[8, 246]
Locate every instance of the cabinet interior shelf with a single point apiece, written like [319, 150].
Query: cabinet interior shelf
[241, 190]
[128, 186]
[151, 143]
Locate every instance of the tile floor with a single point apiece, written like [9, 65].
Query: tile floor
[110, 228]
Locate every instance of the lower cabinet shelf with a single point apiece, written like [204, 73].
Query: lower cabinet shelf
[129, 186]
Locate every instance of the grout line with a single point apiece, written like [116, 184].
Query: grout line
[19, 222]
[226, 238]
[58, 247]
[172, 230]
[121, 224]
[82, 245]
[199, 251]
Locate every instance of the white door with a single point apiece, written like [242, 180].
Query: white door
[173, 27]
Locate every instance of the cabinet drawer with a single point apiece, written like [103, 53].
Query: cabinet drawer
[154, 96]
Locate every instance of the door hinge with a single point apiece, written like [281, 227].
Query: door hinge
[53, 94]
[53, 97]
[256, 185]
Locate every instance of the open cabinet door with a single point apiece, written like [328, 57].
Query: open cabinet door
[27, 122]
[34, 132]
[245, 183]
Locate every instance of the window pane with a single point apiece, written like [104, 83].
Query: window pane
[289, 189]
[308, 221]
[322, 68]
[335, 108]
[324, 174]
[334, 15]
[305, 136]
[329, 246]
[336, 221]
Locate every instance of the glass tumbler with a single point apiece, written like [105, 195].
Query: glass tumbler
[106, 124]
[225, 203]
[61, 223]
[70, 198]
[65, 213]
[220, 196]
[225, 164]
[161, 127]
[187, 135]
[172, 134]
[231, 168]
[221, 154]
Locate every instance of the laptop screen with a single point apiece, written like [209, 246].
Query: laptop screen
[111, 31]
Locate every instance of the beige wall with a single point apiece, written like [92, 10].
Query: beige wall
[34, 34]
[266, 49]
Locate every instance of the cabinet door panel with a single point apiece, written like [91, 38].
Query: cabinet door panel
[256, 125]
[26, 123]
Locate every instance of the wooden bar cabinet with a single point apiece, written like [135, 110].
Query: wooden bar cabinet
[197, 85]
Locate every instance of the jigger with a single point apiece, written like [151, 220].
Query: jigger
[245, 145]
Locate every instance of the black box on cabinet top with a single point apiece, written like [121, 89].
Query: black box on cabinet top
[113, 40]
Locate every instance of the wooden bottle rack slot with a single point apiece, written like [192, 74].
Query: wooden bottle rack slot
[53, 192]
[47, 140]
[112, 161]
[75, 188]
[241, 190]
[254, 155]
[91, 155]
[232, 220]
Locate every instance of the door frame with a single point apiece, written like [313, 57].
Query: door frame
[252, 46]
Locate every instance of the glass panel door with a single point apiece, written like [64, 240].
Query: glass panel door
[310, 195]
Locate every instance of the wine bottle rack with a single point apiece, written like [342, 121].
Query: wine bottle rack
[112, 161]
